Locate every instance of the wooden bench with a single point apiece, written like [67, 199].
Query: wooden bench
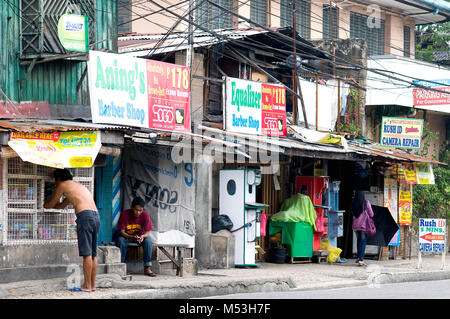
[176, 260]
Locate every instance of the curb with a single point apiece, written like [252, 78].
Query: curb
[179, 289]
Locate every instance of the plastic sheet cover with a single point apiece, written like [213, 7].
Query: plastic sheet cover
[297, 208]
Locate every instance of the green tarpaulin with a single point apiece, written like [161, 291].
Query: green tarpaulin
[297, 208]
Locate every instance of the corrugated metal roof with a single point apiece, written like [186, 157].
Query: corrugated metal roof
[33, 125]
[363, 151]
[142, 45]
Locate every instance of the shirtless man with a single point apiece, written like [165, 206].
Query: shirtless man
[88, 221]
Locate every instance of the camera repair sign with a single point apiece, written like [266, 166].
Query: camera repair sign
[432, 234]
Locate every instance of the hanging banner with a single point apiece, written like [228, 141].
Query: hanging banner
[391, 196]
[255, 108]
[425, 173]
[405, 204]
[137, 92]
[167, 188]
[432, 233]
[401, 132]
[57, 149]
[410, 173]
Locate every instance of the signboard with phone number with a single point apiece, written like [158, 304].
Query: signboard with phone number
[432, 234]
[137, 92]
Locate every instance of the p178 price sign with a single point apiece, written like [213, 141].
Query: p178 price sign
[168, 96]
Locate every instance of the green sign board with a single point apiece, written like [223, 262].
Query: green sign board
[73, 32]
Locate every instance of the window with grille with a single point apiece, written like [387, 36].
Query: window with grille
[359, 29]
[302, 16]
[39, 25]
[124, 16]
[327, 25]
[258, 11]
[212, 17]
[406, 41]
[26, 188]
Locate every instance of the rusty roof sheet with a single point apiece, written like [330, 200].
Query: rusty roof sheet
[35, 125]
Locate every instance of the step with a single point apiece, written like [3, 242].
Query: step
[42, 272]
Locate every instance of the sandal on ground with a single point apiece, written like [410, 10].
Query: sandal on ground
[361, 263]
[148, 272]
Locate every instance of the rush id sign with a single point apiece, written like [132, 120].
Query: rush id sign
[401, 132]
[137, 92]
[432, 233]
[255, 108]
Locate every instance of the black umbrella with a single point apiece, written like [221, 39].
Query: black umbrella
[386, 227]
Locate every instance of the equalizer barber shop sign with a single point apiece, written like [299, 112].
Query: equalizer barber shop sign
[138, 92]
[255, 108]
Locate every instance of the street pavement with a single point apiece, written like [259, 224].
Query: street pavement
[269, 277]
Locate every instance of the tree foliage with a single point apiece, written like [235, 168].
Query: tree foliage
[432, 39]
[433, 201]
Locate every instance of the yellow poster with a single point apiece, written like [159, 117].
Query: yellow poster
[410, 173]
[425, 173]
[57, 149]
[405, 204]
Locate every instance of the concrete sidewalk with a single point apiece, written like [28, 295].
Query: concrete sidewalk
[211, 282]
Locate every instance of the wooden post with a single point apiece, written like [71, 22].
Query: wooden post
[317, 103]
[339, 105]
[419, 261]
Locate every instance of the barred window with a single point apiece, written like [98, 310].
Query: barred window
[375, 35]
[39, 25]
[326, 22]
[302, 16]
[26, 188]
[124, 16]
[258, 11]
[406, 41]
[212, 17]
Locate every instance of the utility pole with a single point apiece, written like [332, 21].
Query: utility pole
[190, 53]
[294, 72]
[296, 83]
[332, 39]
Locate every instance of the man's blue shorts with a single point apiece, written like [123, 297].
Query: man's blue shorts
[88, 227]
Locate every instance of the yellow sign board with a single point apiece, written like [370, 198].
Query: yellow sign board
[57, 149]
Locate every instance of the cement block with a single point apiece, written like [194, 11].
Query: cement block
[110, 254]
[222, 249]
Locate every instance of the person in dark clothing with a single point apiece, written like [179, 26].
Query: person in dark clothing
[361, 210]
[135, 226]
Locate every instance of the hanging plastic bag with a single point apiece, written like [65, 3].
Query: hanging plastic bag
[263, 224]
[221, 222]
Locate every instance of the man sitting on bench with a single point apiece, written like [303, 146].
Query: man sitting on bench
[135, 225]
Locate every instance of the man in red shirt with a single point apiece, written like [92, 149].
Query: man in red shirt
[135, 226]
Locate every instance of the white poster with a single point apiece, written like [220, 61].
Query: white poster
[167, 188]
[391, 196]
[118, 89]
